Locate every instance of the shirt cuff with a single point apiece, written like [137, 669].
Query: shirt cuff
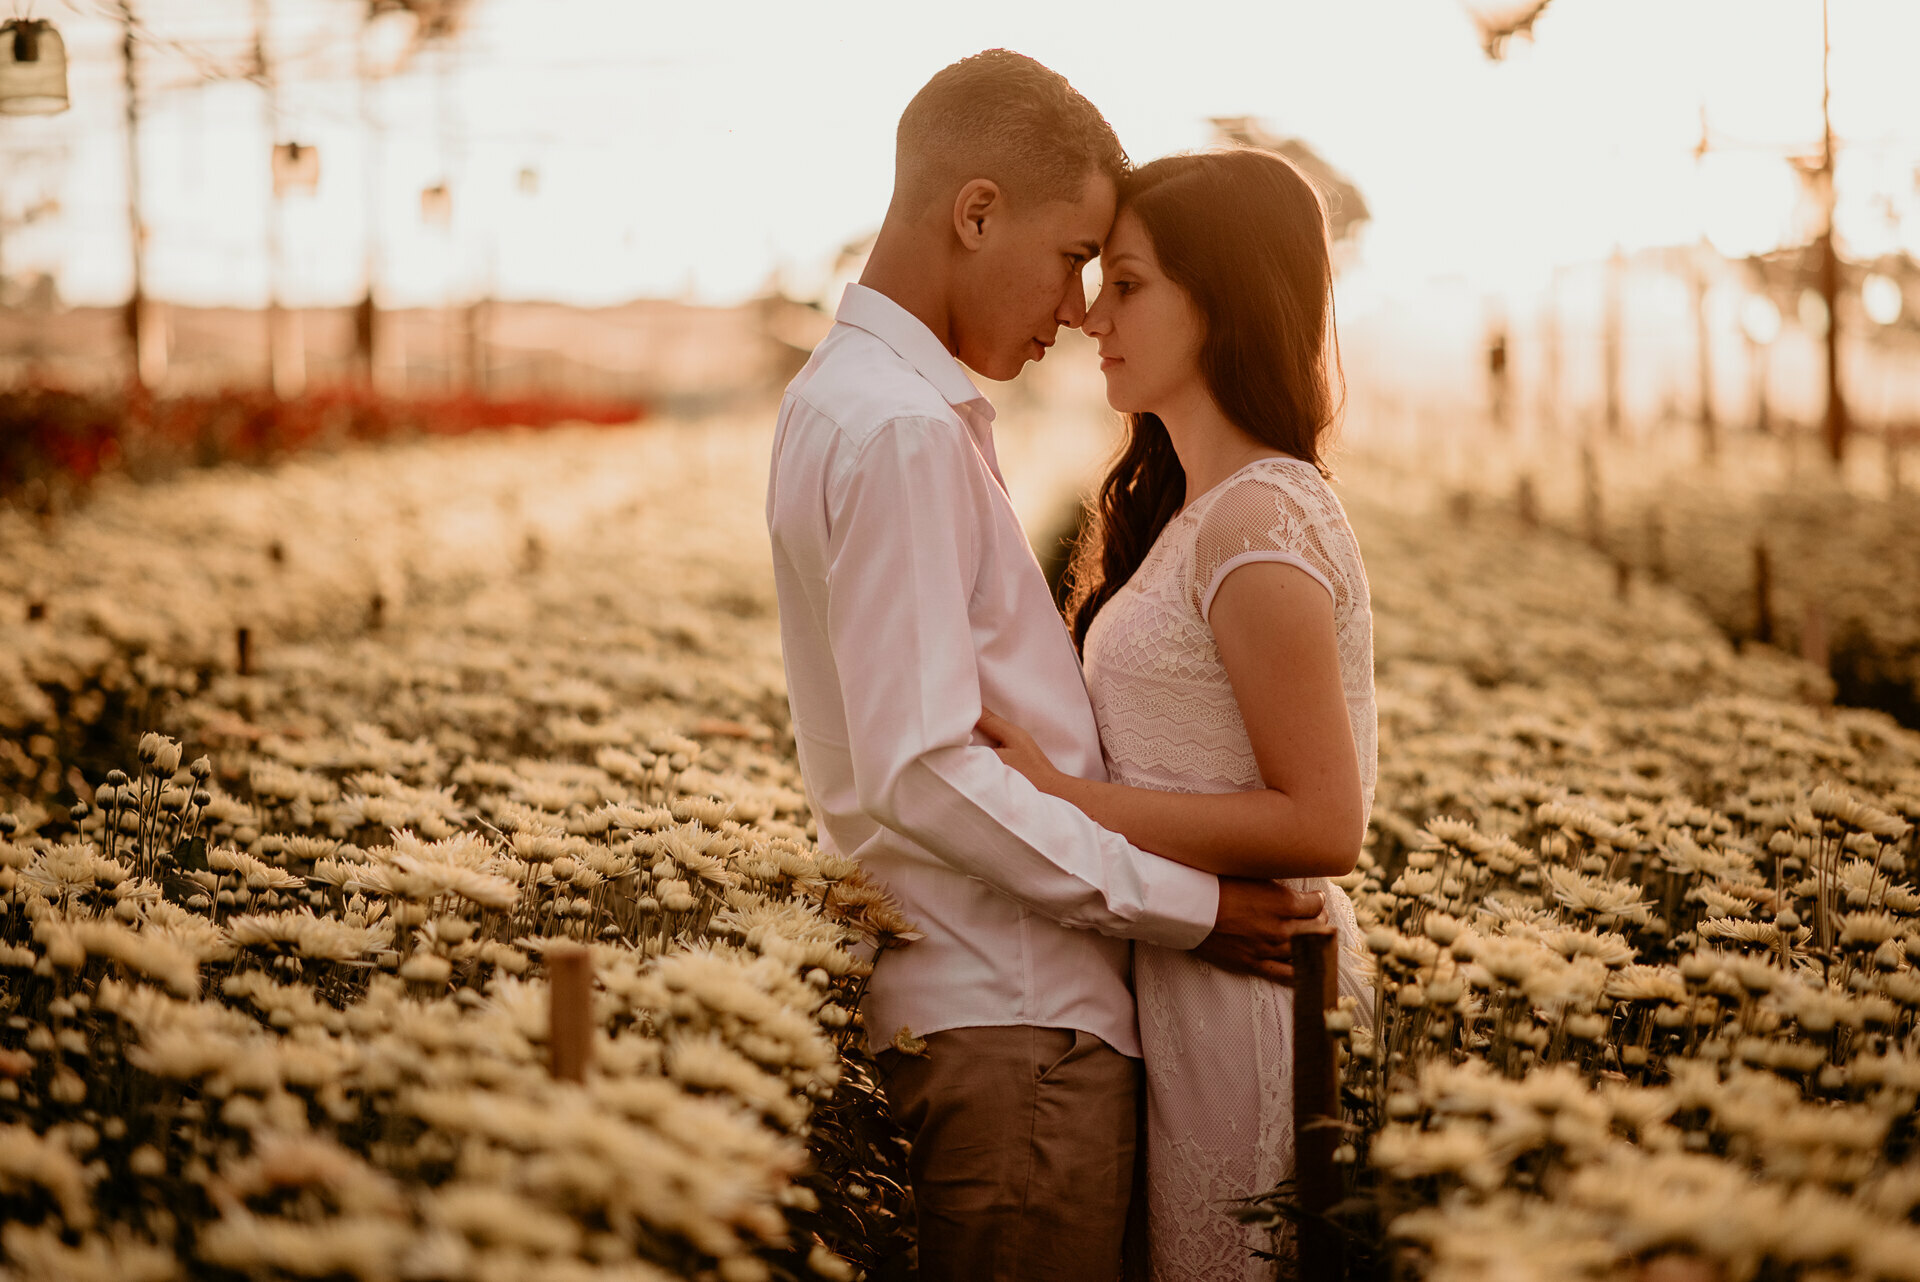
[1181, 906]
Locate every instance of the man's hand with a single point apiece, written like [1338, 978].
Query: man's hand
[1255, 928]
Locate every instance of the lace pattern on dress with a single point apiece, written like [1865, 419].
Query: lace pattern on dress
[1218, 1046]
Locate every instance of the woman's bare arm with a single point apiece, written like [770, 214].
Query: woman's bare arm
[1274, 627]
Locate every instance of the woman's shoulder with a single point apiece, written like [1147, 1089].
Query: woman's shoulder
[1276, 508]
[1266, 496]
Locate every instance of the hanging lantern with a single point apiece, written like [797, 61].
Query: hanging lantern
[436, 206]
[33, 68]
[296, 168]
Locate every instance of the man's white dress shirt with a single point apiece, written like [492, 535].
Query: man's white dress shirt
[908, 598]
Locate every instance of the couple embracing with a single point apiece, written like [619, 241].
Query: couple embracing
[1110, 832]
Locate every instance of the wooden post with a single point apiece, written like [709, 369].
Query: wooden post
[1590, 503]
[1656, 546]
[1703, 354]
[1815, 647]
[1610, 340]
[243, 650]
[1316, 1098]
[1762, 595]
[1526, 501]
[570, 1011]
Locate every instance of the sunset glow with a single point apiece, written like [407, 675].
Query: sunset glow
[694, 150]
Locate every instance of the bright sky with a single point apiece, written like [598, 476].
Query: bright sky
[693, 148]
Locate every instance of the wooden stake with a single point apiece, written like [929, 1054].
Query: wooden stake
[243, 650]
[1526, 501]
[1590, 500]
[1316, 1099]
[1762, 595]
[570, 999]
[1813, 637]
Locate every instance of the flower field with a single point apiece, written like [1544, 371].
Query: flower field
[1843, 570]
[282, 1011]
[1641, 907]
[1644, 921]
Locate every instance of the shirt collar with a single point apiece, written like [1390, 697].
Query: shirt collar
[913, 342]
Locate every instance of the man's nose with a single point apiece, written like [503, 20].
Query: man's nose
[1073, 308]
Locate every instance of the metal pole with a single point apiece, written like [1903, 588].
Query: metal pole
[136, 305]
[366, 318]
[286, 362]
[1835, 430]
[1702, 330]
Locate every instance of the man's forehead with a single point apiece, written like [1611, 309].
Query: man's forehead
[1091, 215]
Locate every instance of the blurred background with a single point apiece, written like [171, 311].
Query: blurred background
[1641, 211]
[1606, 264]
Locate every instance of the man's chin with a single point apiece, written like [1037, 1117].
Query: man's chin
[1000, 370]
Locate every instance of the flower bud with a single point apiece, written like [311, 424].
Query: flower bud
[201, 769]
[117, 779]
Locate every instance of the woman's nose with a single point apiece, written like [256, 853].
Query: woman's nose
[1097, 321]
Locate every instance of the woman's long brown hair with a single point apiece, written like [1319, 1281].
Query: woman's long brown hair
[1244, 232]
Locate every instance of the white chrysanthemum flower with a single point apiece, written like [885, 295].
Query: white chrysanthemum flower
[309, 935]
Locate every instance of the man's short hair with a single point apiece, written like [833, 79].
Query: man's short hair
[1001, 115]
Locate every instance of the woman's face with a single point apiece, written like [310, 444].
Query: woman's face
[1148, 329]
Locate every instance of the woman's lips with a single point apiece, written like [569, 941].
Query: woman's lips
[1108, 362]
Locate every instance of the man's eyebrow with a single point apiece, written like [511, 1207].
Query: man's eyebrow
[1089, 248]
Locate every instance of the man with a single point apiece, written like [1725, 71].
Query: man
[909, 597]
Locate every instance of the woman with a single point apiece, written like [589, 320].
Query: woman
[1222, 613]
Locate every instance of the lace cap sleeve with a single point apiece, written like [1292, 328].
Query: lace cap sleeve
[1277, 511]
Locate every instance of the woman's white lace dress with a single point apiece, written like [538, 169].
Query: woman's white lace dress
[1219, 1046]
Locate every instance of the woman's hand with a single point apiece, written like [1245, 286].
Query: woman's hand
[1017, 748]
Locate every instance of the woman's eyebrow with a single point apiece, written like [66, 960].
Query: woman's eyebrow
[1117, 259]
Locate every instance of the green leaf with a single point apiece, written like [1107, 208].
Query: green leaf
[191, 855]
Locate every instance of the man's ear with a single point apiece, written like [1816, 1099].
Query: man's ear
[978, 203]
